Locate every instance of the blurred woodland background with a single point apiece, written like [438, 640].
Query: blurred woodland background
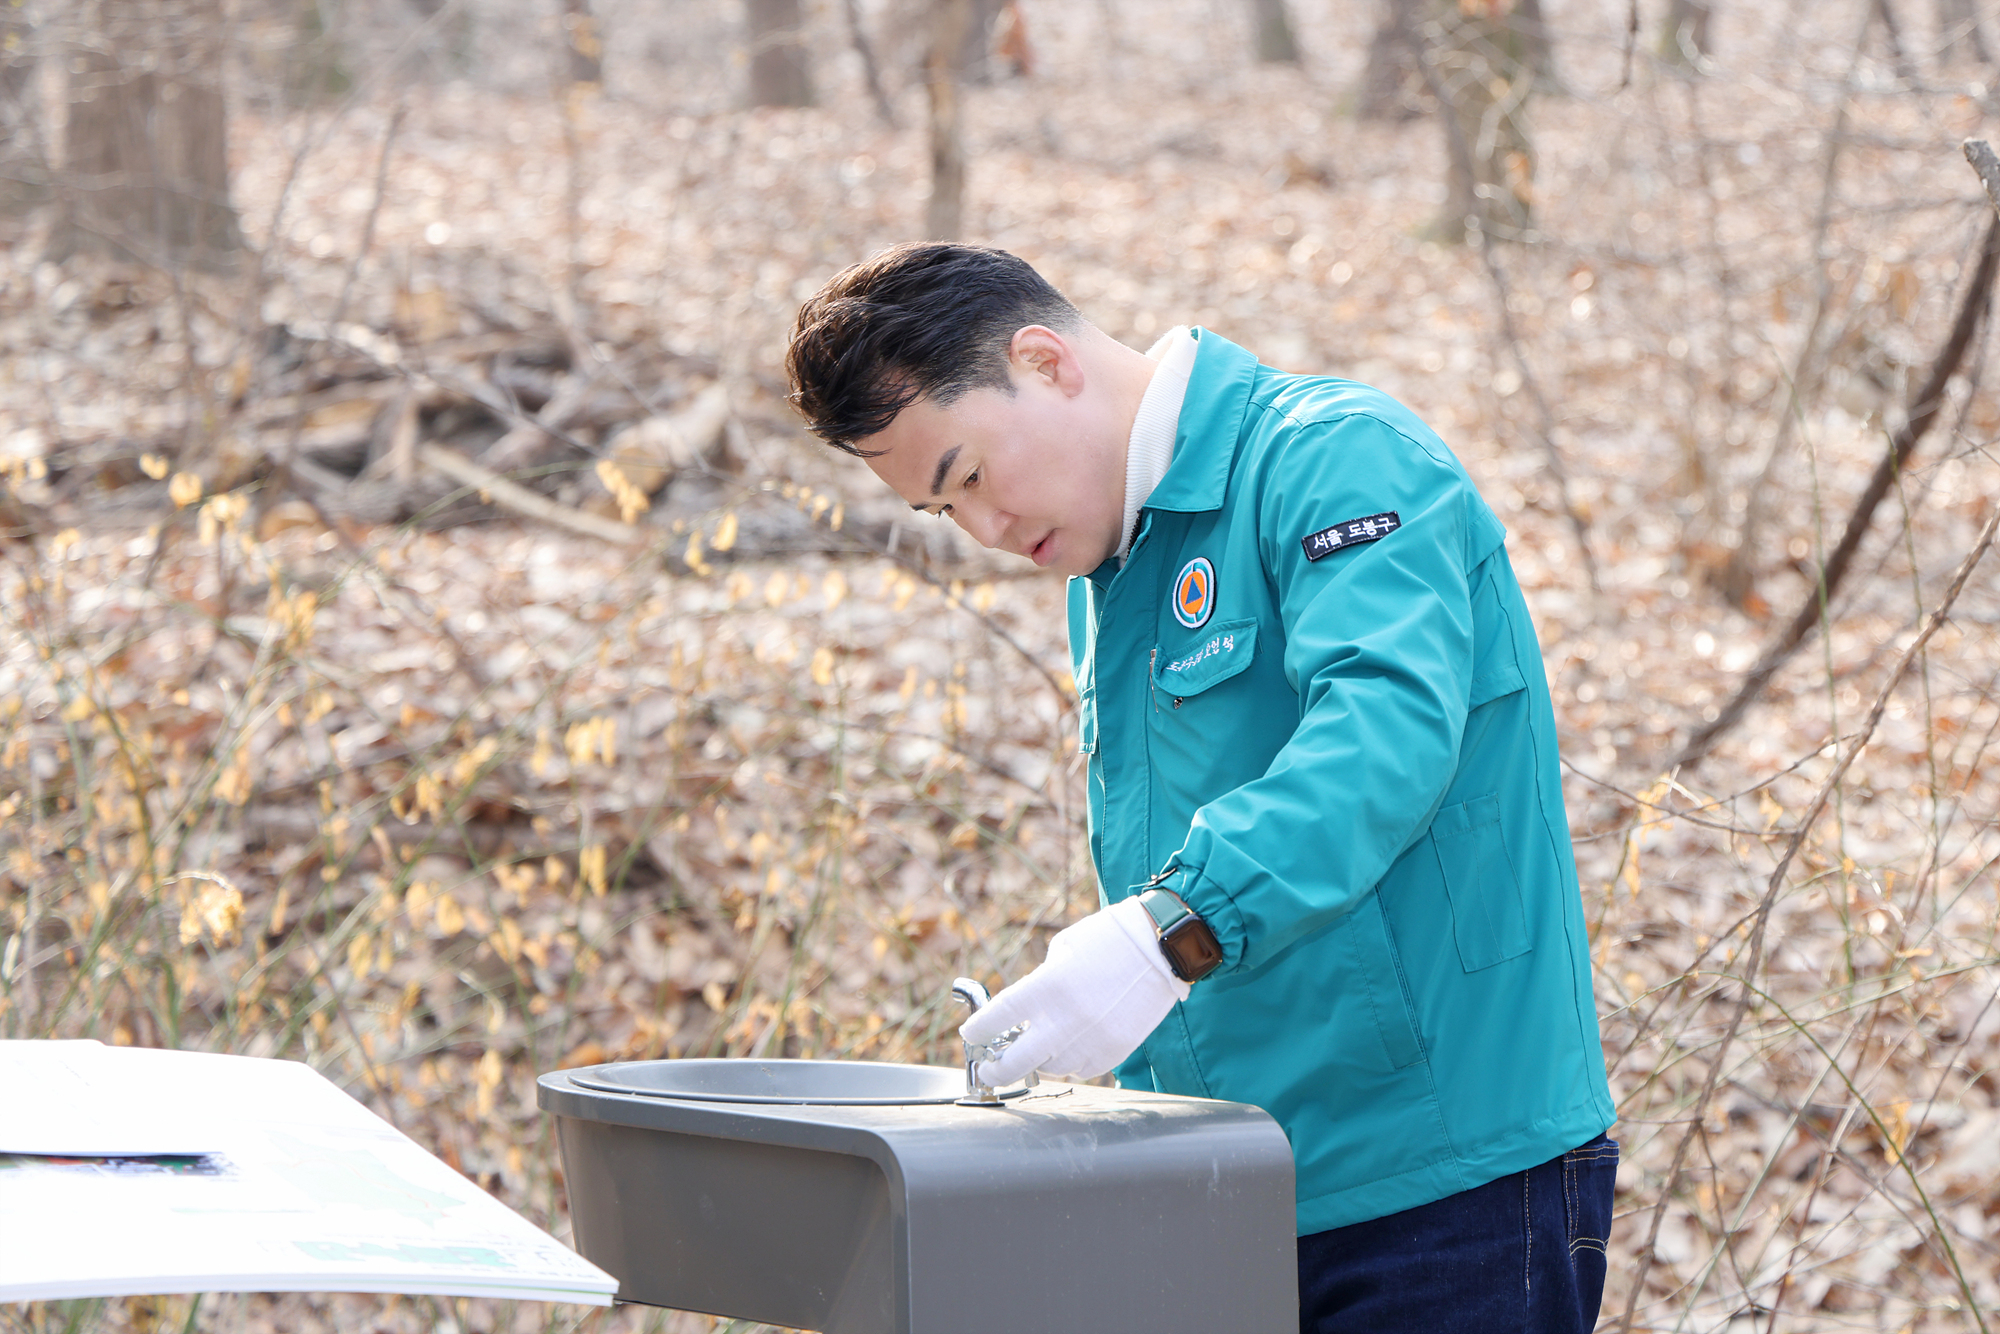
[431, 649]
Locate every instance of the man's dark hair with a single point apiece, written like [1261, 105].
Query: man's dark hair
[926, 320]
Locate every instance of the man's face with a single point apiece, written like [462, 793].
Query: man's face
[1040, 472]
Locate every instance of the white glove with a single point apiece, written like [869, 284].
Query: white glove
[1103, 988]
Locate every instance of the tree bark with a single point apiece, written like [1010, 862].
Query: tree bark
[944, 215]
[1476, 66]
[779, 75]
[1391, 81]
[24, 173]
[146, 167]
[1684, 33]
[1275, 42]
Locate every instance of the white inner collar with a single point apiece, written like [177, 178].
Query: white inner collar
[1153, 429]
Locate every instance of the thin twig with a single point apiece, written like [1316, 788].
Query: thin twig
[1805, 368]
[1761, 918]
[1544, 415]
[249, 320]
[374, 214]
[1631, 43]
[1455, 134]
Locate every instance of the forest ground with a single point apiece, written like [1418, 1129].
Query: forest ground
[478, 797]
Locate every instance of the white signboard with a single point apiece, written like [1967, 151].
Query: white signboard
[126, 1171]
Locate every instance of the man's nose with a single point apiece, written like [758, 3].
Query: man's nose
[984, 524]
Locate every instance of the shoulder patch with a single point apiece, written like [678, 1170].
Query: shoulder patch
[1351, 533]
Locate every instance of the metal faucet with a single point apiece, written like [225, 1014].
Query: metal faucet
[974, 997]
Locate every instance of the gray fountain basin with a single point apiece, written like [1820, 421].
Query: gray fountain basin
[856, 1197]
[820, 1083]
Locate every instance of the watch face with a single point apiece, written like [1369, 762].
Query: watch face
[1191, 949]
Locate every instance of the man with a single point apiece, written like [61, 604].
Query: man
[1325, 807]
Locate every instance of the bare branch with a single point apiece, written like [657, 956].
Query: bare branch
[1984, 161]
[514, 496]
[858, 34]
[1923, 410]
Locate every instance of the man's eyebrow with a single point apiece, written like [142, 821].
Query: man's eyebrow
[943, 467]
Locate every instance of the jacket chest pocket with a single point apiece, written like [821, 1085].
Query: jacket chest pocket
[1181, 673]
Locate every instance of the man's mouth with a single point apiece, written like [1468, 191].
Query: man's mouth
[1043, 551]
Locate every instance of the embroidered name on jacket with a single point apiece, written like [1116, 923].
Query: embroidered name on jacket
[1352, 533]
[1219, 644]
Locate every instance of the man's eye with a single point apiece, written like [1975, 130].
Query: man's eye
[972, 478]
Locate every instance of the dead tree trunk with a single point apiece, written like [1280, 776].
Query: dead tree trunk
[1391, 82]
[146, 167]
[1275, 41]
[24, 177]
[1476, 67]
[779, 76]
[944, 216]
[1684, 34]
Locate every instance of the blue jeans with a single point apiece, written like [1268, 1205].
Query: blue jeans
[1520, 1255]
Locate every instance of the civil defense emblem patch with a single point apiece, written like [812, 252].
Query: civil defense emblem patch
[1194, 593]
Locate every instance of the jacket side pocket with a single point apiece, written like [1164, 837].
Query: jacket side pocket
[1487, 919]
[1371, 957]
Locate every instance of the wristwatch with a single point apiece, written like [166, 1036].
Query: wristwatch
[1188, 942]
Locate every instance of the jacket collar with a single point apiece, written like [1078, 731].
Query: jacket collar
[1218, 394]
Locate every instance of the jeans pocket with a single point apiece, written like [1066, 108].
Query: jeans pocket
[1590, 1176]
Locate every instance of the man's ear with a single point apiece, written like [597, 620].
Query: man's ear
[1036, 349]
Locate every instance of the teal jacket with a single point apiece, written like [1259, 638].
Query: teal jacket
[1315, 709]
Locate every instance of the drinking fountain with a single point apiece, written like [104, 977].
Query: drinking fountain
[866, 1197]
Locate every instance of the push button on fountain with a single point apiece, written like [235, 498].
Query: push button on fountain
[974, 997]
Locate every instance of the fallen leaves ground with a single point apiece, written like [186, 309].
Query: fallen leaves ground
[478, 801]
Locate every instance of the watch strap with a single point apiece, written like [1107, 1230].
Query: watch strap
[1165, 908]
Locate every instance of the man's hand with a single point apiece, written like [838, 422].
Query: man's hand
[1104, 987]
